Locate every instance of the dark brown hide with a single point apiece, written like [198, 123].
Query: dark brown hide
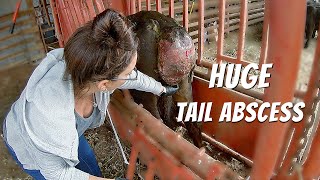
[167, 54]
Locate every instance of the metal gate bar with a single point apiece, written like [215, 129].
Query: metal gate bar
[311, 168]
[134, 117]
[242, 30]
[309, 100]
[286, 48]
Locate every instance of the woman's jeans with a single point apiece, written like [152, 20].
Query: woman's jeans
[88, 162]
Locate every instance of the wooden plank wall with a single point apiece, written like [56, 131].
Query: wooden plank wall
[25, 44]
[255, 15]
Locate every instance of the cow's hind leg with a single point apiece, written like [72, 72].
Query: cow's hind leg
[148, 100]
[184, 94]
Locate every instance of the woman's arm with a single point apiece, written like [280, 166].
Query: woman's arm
[143, 83]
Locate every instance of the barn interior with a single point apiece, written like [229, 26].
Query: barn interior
[255, 31]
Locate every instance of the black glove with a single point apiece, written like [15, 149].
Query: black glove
[119, 178]
[170, 90]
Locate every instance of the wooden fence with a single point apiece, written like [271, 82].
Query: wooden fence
[255, 15]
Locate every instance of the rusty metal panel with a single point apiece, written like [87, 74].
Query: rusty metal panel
[236, 136]
[146, 133]
[70, 14]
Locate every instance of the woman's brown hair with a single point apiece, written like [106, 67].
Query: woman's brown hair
[100, 50]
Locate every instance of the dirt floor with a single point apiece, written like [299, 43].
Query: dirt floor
[13, 80]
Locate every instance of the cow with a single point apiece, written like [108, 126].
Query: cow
[166, 53]
[317, 20]
[310, 22]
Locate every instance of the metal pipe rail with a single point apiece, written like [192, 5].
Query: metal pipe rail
[141, 129]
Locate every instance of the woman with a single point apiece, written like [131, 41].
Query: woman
[68, 93]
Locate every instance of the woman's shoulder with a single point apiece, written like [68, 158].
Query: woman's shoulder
[56, 53]
[48, 80]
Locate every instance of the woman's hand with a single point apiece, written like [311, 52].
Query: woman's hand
[169, 90]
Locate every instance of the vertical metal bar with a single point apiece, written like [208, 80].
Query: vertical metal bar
[185, 15]
[242, 30]
[127, 9]
[100, 5]
[70, 15]
[286, 46]
[90, 6]
[148, 5]
[71, 9]
[171, 8]
[311, 168]
[227, 18]
[133, 6]
[158, 8]
[312, 85]
[56, 22]
[222, 11]
[76, 6]
[132, 162]
[85, 11]
[264, 46]
[65, 19]
[46, 11]
[139, 6]
[150, 172]
[200, 30]
[308, 100]
[37, 21]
